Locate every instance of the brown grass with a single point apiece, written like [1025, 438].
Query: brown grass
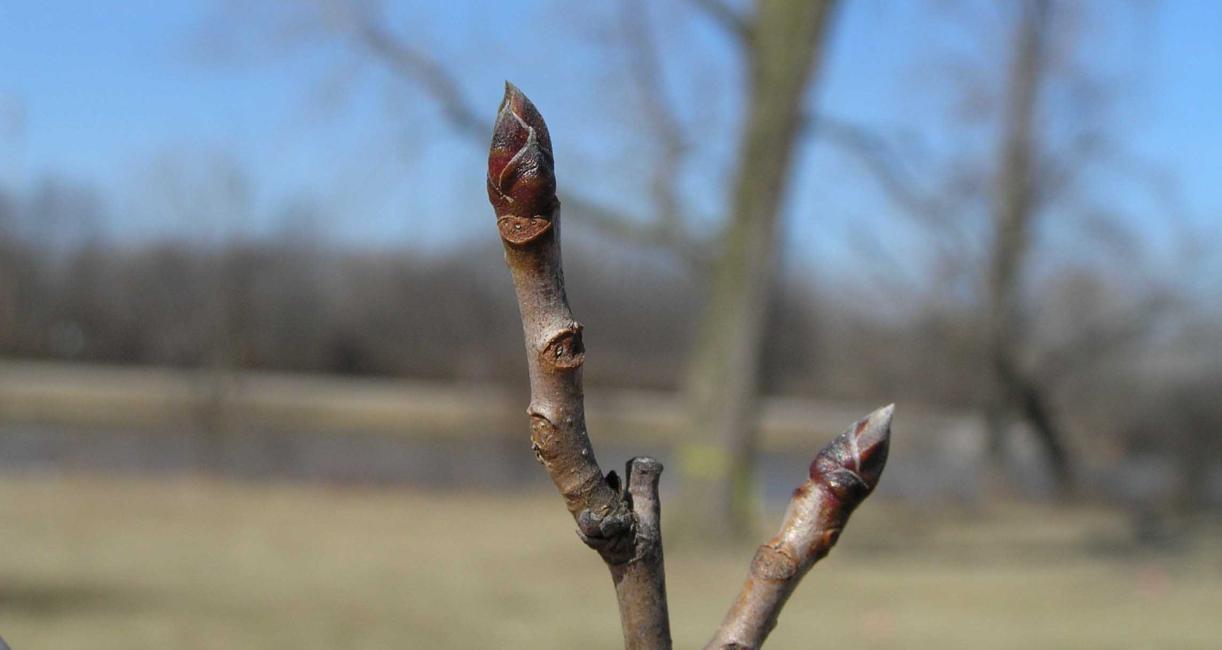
[100, 564]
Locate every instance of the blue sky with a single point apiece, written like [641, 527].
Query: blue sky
[106, 92]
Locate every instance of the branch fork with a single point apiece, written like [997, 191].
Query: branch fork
[621, 519]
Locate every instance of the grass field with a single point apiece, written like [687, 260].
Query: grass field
[133, 564]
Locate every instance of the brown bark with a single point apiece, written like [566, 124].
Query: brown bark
[1015, 208]
[723, 378]
[842, 475]
[640, 583]
[622, 525]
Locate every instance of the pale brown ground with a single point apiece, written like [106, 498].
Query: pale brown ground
[133, 564]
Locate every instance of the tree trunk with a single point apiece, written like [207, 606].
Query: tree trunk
[1013, 391]
[723, 378]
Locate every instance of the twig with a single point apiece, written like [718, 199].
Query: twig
[418, 66]
[623, 526]
[427, 71]
[1099, 336]
[730, 19]
[640, 584]
[645, 65]
[654, 234]
[842, 475]
[875, 153]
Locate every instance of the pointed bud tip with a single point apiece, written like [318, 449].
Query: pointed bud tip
[875, 428]
[515, 104]
[873, 443]
[513, 95]
[862, 450]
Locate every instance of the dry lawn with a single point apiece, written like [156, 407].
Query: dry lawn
[133, 564]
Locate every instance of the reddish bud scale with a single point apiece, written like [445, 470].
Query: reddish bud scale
[850, 466]
[521, 173]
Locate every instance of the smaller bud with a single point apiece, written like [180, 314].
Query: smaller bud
[851, 465]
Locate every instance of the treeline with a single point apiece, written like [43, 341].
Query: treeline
[1143, 383]
[295, 303]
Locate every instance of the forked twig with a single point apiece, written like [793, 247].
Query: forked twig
[622, 521]
[621, 524]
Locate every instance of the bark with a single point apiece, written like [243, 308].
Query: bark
[640, 583]
[1014, 391]
[723, 378]
[842, 475]
[622, 525]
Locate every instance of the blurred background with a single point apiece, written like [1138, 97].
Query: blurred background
[262, 382]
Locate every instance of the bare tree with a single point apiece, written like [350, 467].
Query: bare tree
[784, 42]
[1015, 205]
[1039, 332]
[621, 518]
[1030, 176]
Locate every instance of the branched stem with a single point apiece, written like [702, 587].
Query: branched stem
[623, 521]
[621, 524]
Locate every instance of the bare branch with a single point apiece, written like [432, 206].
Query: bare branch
[653, 234]
[885, 164]
[621, 525]
[881, 158]
[640, 583]
[418, 67]
[736, 24]
[842, 475]
[1099, 336]
[426, 71]
[878, 156]
[646, 67]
